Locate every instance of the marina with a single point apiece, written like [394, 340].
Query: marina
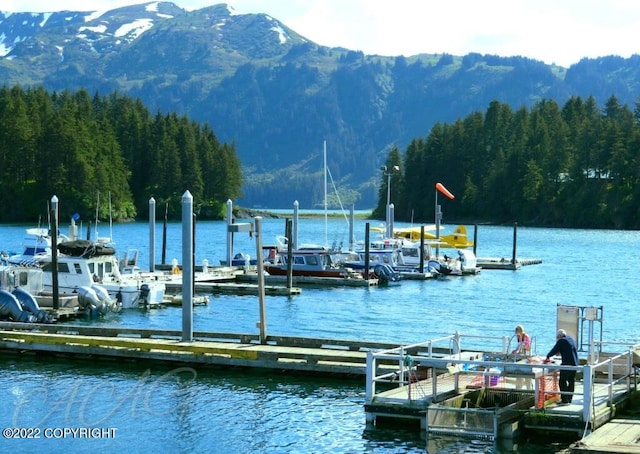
[443, 388]
[390, 317]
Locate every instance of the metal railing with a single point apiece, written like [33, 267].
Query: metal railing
[603, 382]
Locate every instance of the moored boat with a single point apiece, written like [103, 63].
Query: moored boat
[309, 260]
[84, 263]
[26, 285]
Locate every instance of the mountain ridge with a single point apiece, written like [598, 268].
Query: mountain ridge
[278, 95]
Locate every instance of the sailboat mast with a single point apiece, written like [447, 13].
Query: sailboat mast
[326, 232]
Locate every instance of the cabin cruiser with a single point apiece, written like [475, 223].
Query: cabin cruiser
[307, 260]
[83, 263]
[25, 299]
[405, 257]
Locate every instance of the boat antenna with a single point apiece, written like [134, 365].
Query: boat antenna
[97, 214]
[110, 221]
[326, 232]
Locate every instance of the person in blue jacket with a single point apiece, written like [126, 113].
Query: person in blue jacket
[566, 347]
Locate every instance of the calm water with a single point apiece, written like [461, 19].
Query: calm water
[160, 409]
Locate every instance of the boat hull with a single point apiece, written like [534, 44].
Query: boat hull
[282, 271]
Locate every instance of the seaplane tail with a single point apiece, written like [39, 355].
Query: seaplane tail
[458, 239]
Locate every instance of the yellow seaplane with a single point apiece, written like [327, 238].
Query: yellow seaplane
[458, 239]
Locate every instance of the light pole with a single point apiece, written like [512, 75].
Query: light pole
[394, 169]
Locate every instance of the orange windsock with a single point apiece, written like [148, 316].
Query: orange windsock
[440, 187]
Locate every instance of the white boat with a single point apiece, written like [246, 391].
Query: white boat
[37, 241]
[83, 263]
[462, 263]
[404, 257]
[386, 261]
[25, 284]
[18, 303]
[308, 260]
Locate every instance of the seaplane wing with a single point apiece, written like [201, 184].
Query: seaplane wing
[413, 233]
[458, 239]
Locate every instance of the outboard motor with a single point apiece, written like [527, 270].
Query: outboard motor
[107, 303]
[89, 301]
[10, 307]
[87, 298]
[439, 267]
[144, 296]
[29, 304]
[386, 274]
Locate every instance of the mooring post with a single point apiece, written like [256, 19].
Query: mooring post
[475, 239]
[369, 383]
[515, 242]
[288, 234]
[230, 232]
[260, 270]
[296, 218]
[287, 231]
[421, 249]
[587, 397]
[164, 233]
[54, 252]
[367, 230]
[152, 234]
[187, 267]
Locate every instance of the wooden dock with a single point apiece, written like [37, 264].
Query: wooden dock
[431, 390]
[235, 288]
[317, 356]
[334, 357]
[618, 436]
[497, 263]
[310, 280]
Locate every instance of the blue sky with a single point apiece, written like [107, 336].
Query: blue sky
[554, 31]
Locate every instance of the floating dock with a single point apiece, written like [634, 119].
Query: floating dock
[505, 264]
[620, 436]
[493, 395]
[235, 288]
[440, 387]
[310, 280]
[318, 356]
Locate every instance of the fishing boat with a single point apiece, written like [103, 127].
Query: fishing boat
[387, 253]
[405, 258]
[309, 260]
[83, 263]
[25, 284]
[462, 263]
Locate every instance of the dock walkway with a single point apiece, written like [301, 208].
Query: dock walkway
[223, 349]
[235, 288]
[310, 280]
[618, 436]
[498, 263]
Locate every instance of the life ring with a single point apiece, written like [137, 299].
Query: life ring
[175, 270]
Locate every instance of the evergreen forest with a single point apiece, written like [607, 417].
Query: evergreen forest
[576, 165]
[106, 157]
